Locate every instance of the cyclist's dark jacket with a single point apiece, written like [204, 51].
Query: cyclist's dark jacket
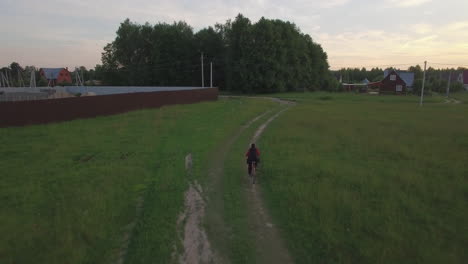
[252, 154]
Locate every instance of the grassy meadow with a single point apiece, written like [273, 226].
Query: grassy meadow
[462, 96]
[235, 239]
[68, 190]
[369, 179]
[348, 178]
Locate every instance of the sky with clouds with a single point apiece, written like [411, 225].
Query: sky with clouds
[354, 33]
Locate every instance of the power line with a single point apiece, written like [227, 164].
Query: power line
[168, 61]
[376, 66]
[175, 67]
[450, 64]
[396, 65]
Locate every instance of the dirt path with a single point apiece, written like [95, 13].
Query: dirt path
[270, 248]
[451, 100]
[197, 247]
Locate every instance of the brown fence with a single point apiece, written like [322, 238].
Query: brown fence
[55, 110]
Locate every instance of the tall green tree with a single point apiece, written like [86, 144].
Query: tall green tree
[267, 56]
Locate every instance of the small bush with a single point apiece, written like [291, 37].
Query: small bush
[64, 84]
[325, 98]
[42, 83]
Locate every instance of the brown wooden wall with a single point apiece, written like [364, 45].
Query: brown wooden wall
[389, 86]
[55, 110]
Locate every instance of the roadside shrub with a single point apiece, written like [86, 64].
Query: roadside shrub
[42, 83]
[64, 84]
[325, 98]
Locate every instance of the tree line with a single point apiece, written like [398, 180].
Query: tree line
[436, 79]
[266, 56]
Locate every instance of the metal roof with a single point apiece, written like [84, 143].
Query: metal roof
[407, 77]
[106, 90]
[51, 73]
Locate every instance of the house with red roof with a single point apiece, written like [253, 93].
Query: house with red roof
[396, 82]
[463, 79]
[56, 76]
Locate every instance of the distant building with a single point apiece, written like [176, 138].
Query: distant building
[56, 76]
[356, 87]
[393, 83]
[407, 77]
[463, 79]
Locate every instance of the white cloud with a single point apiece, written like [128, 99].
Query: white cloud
[421, 28]
[408, 3]
[458, 26]
[348, 32]
[332, 3]
[441, 43]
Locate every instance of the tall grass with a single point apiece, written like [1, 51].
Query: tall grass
[462, 96]
[358, 97]
[68, 190]
[369, 180]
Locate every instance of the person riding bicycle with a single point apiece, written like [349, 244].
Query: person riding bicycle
[252, 156]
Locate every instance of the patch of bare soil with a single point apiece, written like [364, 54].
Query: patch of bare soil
[197, 247]
[451, 101]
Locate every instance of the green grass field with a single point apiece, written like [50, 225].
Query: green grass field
[68, 190]
[462, 96]
[348, 178]
[369, 179]
[237, 242]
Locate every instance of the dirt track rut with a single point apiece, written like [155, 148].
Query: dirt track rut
[270, 248]
[269, 245]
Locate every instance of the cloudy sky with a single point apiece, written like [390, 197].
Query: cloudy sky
[354, 33]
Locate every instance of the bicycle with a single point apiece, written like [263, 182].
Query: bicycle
[253, 171]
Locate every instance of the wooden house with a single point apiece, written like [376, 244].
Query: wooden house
[56, 76]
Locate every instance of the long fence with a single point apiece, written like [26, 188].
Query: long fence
[40, 93]
[22, 113]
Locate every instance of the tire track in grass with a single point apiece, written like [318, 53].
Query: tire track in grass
[122, 253]
[270, 248]
[197, 247]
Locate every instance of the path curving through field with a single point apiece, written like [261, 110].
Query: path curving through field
[450, 100]
[197, 245]
[270, 247]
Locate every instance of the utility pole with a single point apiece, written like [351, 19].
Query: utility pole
[211, 74]
[10, 79]
[424, 80]
[20, 79]
[82, 77]
[78, 77]
[4, 77]
[202, 73]
[32, 80]
[448, 85]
